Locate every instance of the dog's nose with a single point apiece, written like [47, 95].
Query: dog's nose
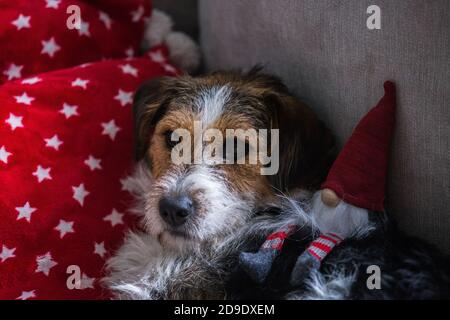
[175, 210]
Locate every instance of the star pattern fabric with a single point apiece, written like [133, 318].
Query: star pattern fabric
[14, 121]
[80, 83]
[25, 295]
[33, 80]
[22, 22]
[4, 154]
[124, 97]
[50, 47]
[24, 98]
[109, 29]
[12, 72]
[25, 212]
[6, 253]
[65, 159]
[64, 227]
[53, 142]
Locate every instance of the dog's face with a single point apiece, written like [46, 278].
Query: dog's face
[198, 202]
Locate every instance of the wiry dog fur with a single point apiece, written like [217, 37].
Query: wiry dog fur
[143, 268]
[236, 207]
[192, 261]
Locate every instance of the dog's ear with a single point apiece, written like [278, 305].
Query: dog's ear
[149, 105]
[306, 145]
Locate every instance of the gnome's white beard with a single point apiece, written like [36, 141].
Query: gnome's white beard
[345, 220]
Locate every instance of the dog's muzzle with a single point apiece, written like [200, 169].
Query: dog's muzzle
[175, 210]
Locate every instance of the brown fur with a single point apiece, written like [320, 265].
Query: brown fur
[306, 145]
[254, 100]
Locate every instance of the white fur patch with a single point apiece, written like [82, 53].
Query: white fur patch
[319, 287]
[211, 103]
[223, 211]
[141, 269]
[138, 184]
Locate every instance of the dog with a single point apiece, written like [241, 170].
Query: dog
[197, 218]
[194, 215]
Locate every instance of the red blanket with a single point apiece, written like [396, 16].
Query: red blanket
[65, 151]
[35, 36]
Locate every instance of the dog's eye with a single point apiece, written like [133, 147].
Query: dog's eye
[170, 143]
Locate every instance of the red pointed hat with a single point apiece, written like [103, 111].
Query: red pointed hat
[358, 176]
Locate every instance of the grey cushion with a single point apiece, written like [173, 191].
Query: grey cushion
[325, 53]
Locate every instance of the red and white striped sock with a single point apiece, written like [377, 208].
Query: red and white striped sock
[323, 245]
[312, 257]
[275, 240]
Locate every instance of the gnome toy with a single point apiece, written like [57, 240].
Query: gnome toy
[354, 186]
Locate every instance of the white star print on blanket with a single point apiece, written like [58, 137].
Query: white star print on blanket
[65, 154]
[36, 37]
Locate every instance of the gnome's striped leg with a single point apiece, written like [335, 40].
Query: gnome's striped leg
[257, 265]
[313, 256]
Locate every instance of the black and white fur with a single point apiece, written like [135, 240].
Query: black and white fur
[410, 268]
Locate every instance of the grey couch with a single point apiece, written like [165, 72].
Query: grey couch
[327, 56]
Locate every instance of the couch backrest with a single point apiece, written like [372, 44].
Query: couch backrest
[325, 53]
